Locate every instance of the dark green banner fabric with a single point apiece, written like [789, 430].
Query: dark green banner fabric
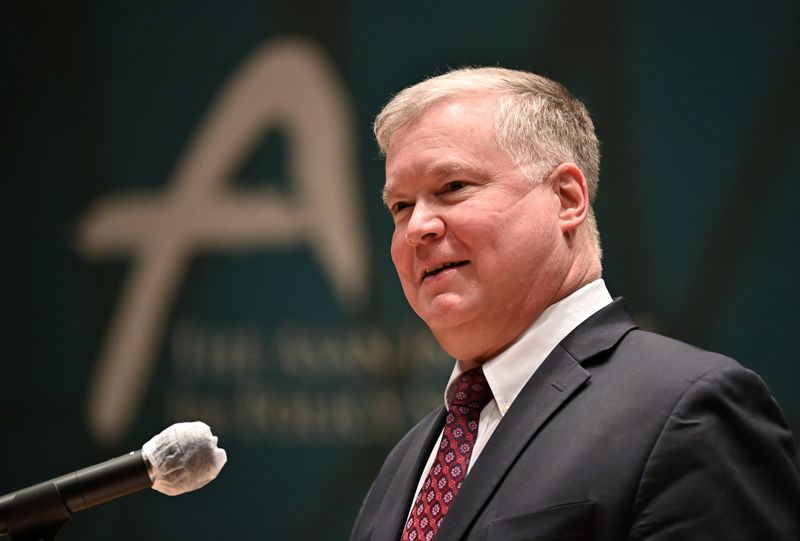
[194, 229]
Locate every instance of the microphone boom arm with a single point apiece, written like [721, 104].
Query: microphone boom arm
[38, 512]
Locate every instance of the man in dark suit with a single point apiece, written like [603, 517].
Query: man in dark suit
[562, 419]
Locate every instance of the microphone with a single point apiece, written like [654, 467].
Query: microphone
[182, 458]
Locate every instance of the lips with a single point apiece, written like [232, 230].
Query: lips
[444, 266]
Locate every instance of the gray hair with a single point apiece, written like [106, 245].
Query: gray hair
[539, 123]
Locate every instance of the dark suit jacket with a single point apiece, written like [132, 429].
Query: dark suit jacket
[620, 434]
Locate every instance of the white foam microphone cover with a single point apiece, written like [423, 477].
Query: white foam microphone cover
[184, 457]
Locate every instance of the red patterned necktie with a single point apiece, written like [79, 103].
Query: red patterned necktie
[470, 394]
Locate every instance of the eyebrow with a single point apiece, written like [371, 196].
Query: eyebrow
[385, 194]
[449, 168]
[446, 168]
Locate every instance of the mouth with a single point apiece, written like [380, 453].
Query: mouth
[444, 266]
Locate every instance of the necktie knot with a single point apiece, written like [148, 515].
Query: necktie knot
[471, 390]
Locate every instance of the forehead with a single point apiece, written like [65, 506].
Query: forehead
[452, 112]
[447, 137]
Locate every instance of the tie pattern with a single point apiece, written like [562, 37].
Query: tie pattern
[470, 394]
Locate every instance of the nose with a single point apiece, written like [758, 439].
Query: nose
[425, 224]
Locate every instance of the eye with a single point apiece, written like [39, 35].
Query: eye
[454, 186]
[398, 207]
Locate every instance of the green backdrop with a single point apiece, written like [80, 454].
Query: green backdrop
[193, 227]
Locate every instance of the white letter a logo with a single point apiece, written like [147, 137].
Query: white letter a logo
[286, 85]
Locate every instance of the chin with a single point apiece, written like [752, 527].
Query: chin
[456, 347]
[444, 312]
[455, 336]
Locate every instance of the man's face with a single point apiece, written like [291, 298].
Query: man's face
[476, 245]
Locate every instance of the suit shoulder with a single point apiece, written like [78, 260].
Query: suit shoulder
[657, 371]
[724, 434]
[667, 355]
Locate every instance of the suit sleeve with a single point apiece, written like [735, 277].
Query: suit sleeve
[723, 467]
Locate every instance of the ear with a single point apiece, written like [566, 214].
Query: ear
[569, 186]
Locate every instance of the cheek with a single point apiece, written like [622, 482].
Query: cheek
[483, 235]
[402, 257]
[502, 241]
[400, 252]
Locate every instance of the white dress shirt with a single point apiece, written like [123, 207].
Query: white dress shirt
[508, 373]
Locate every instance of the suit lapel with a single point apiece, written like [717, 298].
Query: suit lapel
[402, 489]
[558, 378]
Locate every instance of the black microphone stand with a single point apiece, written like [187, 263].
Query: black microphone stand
[37, 513]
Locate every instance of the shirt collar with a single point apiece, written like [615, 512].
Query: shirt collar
[510, 370]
